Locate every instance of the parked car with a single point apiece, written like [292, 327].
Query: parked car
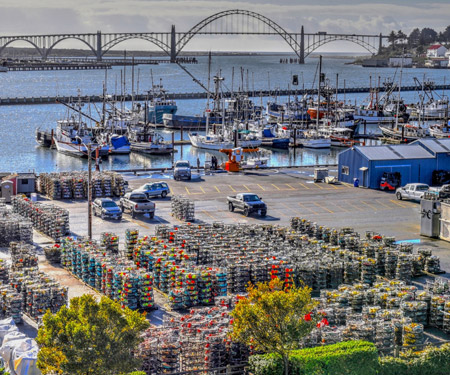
[412, 191]
[182, 169]
[248, 203]
[154, 189]
[106, 208]
[137, 203]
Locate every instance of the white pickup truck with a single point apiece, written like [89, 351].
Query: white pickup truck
[412, 191]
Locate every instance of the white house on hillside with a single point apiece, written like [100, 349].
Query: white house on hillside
[436, 50]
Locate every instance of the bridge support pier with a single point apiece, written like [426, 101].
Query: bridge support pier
[173, 46]
[44, 54]
[302, 46]
[99, 45]
[380, 45]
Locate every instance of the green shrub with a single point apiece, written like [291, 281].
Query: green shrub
[346, 358]
[431, 361]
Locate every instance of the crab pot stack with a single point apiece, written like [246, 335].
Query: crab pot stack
[413, 336]
[111, 242]
[79, 187]
[66, 188]
[11, 303]
[182, 208]
[22, 256]
[131, 239]
[192, 342]
[113, 276]
[46, 218]
[14, 228]
[97, 190]
[67, 185]
[4, 272]
[53, 253]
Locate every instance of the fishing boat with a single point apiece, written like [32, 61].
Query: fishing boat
[440, 130]
[339, 136]
[404, 133]
[210, 141]
[147, 141]
[119, 144]
[72, 137]
[158, 105]
[43, 138]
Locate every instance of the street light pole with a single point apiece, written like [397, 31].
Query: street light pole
[89, 191]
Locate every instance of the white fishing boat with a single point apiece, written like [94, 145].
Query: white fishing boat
[210, 141]
[72, 137]
[339, 136]
[404, 133]
[440, 130]
[311, 139]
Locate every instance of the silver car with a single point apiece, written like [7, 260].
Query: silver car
[154, 189]
[412, 191]
[106, 208]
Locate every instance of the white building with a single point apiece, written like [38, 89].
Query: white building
[397, 61]
[436, 50]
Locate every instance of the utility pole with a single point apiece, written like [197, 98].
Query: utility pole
[89, 191]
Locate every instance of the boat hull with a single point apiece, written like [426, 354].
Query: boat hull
[151, 149]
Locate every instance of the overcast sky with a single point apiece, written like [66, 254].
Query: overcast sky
[19, 17]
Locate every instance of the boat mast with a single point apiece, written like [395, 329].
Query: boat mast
[399, 93]
[318, 91]
[209, 93]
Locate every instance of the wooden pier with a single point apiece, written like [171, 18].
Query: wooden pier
[57, 66]
[184, 96]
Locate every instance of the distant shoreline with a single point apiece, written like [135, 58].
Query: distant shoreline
[15, 52]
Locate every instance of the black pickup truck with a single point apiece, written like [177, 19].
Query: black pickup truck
[248, 203]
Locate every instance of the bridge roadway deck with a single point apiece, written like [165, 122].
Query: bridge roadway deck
[188, 95]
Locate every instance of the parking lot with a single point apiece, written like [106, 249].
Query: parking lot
[287, 192]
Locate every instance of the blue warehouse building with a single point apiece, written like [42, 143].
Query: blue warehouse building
[415, 162]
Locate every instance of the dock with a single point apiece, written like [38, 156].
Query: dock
[30, 67]
[183, 96]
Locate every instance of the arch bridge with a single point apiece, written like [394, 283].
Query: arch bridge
[229, 22]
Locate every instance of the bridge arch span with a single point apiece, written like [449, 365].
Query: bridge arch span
[22, 39]
[346, 38]
[181, 43]
[122, 38]
[47, 52]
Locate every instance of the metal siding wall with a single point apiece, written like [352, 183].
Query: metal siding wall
[345, 159]
[443, 162]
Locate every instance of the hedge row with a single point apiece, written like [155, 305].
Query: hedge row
[354, 358]
[431, 361]
[348, 357]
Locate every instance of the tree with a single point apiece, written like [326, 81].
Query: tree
[445, 35]
[90, 338]
[427, 36]
[392, 37]
[273, 319]
[414, 38]
[401, 36]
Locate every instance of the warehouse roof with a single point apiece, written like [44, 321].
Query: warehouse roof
[434, 145]
[388, 152]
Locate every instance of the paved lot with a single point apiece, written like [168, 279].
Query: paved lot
[287, 192]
